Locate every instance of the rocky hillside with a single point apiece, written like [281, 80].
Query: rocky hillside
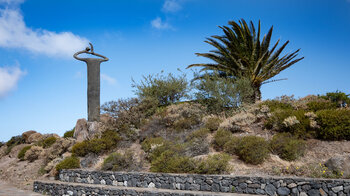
[285, 136]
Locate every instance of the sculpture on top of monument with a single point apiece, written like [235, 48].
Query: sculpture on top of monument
[93, 72]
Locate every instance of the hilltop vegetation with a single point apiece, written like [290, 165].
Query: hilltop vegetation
[213, 124]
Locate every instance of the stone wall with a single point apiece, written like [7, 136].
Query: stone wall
[214, 183]
[56, 189]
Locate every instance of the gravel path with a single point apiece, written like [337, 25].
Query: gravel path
[9, 190]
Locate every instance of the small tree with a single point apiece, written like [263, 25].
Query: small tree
[166, 89]
[220, 93]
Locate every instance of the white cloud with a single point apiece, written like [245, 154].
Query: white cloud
[108, 79]
[9, 77]
[171, 6]
[159, 24]
[11, 2]
[15, 34]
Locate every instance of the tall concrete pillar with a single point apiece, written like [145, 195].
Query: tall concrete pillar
[93, 74]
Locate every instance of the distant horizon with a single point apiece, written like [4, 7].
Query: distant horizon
[43, 88]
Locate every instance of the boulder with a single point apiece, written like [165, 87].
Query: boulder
[26, 135]
[339, 163]
[52, 164]
[51, 135]
[34, 153]
[93, 129]
[35, 137]
[58, 148]
[81, 131]
[86, 130]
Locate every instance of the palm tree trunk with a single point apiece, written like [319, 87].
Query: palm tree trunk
[257, 95]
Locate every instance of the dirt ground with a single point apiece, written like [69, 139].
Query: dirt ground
[22, 173]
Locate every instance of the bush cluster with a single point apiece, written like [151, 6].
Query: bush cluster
[22, 152]
[130, 112]
[170, 162]
[212, 123]
[173, 157]
[108, 140]
[292, 121]
[287, 147]
[339, 98]
[47, 143]
[69, 134]
[14, 141]
[68, 163]
[221, 137]
[252, 149]
[166, 89]
[221, 94]
[200, 134]
[119, 162]
[321, 105]
[334, 124]
[213, 164]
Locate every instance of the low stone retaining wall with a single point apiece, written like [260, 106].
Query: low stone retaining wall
[214, 183]
[66, 189]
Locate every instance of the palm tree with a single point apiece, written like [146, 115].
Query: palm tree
[241, 53]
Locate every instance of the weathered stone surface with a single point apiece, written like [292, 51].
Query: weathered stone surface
[283, 191]
[337, 189]
[339, 164]
[35, 137]
[292, 185]
[295, 192]
[89, 160]
[303, 194]
[81, 132]
[270, 189]
[313, 192]
[26, 135]
[93, 129]
[33, 153]
[214, 183]
[322, 192]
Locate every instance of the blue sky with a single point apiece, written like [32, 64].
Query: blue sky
[43, 88]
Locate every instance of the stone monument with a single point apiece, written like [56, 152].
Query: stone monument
[93, 73]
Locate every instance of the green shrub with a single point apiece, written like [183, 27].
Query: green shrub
[166, 89]
[14, 141]
[277, 105]
[69, 134]
[214, 164]
[198, 134]
[184, 123]
[287, 147]
[252, 149]
[22, 152]
[109, 140]
[221, 137]
[230, 147]
[213, 123]
[68, 163]
[292, 121]
[150, 143]
[171, 162]
[320, 105]
[47, 143]
[334, 124]
[118, 162]
[337, 97]
[221, 94]
[130, 111]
